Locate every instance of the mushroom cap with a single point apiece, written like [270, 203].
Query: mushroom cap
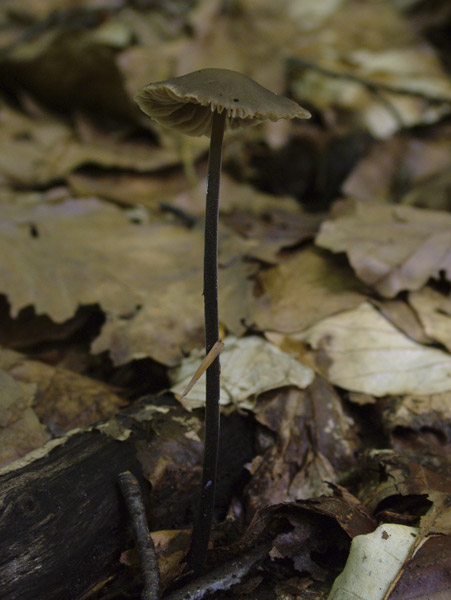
[187, 103]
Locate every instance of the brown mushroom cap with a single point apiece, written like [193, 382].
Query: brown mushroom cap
[186, 103]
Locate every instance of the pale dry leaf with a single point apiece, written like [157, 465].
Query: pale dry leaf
[249, 367]
[303, 289]
[374, 562]
[391, 248]
[362, 352]
[434, 311]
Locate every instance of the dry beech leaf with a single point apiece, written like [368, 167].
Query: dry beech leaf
[362, 352]
[434, 311]
[64, 400]
[303, 289]
[36, 151]
[147, 278]
[391, 248]
[249, 367]
[20, 429]
[85, 252]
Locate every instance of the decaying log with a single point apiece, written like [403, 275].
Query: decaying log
[63, 520]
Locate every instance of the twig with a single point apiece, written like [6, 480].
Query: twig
[221, 578]
[370, 85]
[146, 550]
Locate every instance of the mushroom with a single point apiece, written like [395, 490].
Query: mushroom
[209, 102]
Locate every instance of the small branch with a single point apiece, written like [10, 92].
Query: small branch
[221, 578]
[144, 543]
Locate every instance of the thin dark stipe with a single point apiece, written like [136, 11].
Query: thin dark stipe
[204, 518]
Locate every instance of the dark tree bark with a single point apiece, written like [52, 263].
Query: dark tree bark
[63, 521]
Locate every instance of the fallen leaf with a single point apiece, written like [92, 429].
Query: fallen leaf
[359, 350]
[403, 317]
[393, 56]
[303, 289]
[417, 412]
[391, 248]
[374, 561]
[37, 151]
[414, 165]
[434, 311]
[86, 252]
[432, 192]
[392, 479]
[430, 565]
[249, 367]
[63, 400]
[20, 428]
[171, 547]
[314, 441]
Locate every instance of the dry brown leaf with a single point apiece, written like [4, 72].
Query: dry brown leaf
[63, 400]
[315, 441]
[391, 475]
[171, 547]
[377, 45]
[20, 428]
[391, 248]
[404, 163]
[31, 148]
[417, 412]
[130, 188]
[429, 565]
[37, 151]
[433, 192]
[303, 289]
[404, 318]
[86, 252]
[146, 277]
[434, 311]
[360, 351]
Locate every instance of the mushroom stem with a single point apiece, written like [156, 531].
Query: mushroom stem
[204, 517]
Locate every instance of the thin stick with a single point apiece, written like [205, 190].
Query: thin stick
[214, 352]
[144, 543]
[204, 517]
[223, 577]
